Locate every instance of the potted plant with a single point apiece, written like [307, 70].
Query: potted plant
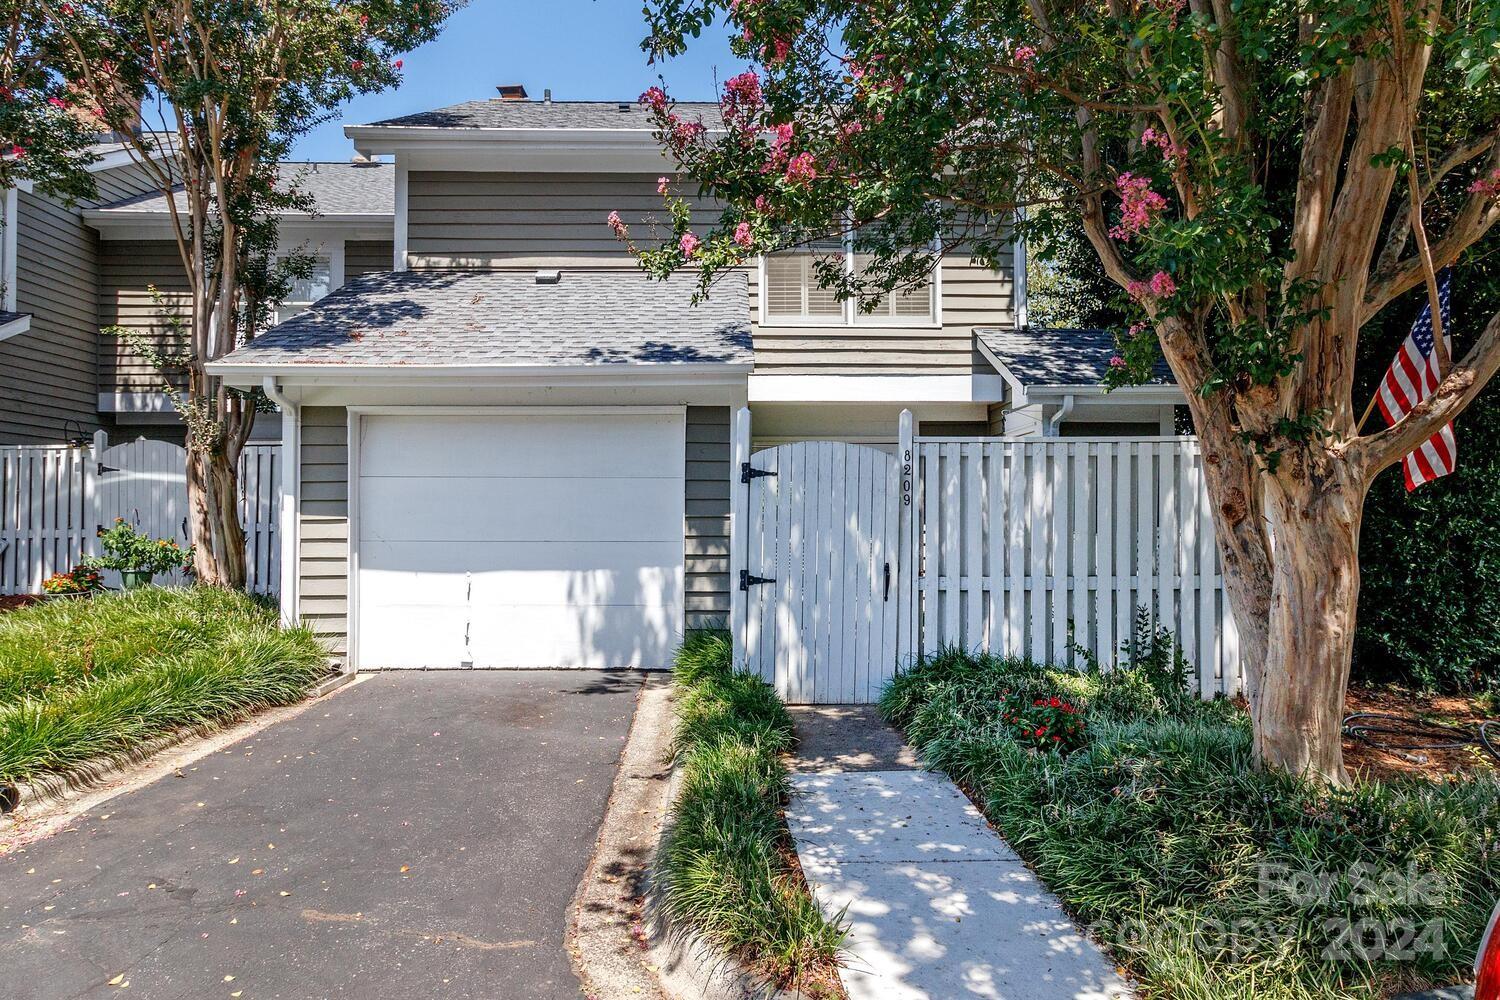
[137, 557]
[78, 582]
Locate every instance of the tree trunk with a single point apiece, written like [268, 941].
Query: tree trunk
[213, 502]
[1314, 518]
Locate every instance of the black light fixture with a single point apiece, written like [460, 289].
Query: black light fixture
[75, 436]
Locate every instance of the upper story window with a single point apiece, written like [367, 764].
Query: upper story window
[306, 291]
[793, 297]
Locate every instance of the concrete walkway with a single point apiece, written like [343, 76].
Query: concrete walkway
[938, 906]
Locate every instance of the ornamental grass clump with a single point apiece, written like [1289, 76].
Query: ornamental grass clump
[1208, 877]
[725, 866]
[91, 679]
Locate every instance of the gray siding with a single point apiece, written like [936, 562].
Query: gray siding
[48, 375]
[128, 270]
[323, 555]
[367, 256]
[523, 220]
[707, 527]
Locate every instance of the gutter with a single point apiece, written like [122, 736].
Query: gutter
[291, 498]
[242, 375]
[1063, 413]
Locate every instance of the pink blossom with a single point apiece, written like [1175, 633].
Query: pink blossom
[57, 102]
[1487, 185]
[742, 94]
[743, 237]
[1138, 203]
[398, 64]
[18, 151]
[686, 132]
[662, 183]
[617, 225]
[777, 51]
[1025, 56]
[849, 129]
[689, 244]
[762, 203]
[656, 98]
[1170, 151]
[1117, 362]
[1161, 286]
[802, 169]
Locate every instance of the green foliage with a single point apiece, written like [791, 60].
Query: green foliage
[1210, 878]
[125, 548]
[723, 866]
[80, 680]
[41, 140]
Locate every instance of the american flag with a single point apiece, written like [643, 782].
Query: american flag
[1412, 377]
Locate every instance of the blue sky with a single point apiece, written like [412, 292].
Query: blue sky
[582, 49]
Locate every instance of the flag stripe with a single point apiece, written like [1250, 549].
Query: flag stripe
[1414, 375]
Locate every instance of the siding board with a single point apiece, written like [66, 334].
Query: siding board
[460, 219]
[323, 544]
[706, 526]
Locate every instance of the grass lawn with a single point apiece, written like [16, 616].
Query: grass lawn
[80, 680]
[727, 867]
[1207, 877]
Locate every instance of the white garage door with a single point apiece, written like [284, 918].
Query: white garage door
[523, 539]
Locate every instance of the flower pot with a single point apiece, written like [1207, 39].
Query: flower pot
[132, 579]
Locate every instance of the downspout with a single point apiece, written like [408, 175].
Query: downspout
[291, 495]
[1054, 423]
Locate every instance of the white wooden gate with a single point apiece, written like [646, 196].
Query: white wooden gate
[53, 500]
[819, 584]
[1038, 547]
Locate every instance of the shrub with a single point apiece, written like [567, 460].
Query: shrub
[85, 679]
[724, 865]
[1210, 878]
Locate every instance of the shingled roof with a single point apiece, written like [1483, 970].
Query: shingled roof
[431, 319]
[499, 113]
[342, 189]
[1058, 356]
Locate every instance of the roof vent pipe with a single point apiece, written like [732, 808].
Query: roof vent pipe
[547, 96]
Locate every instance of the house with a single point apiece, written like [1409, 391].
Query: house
[514, 449]
[72, 271]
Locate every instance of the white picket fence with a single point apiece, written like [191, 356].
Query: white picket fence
[1043, 547]
[54, 499]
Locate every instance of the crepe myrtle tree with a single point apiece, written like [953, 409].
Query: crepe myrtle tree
[1261, 178]
[230, 85]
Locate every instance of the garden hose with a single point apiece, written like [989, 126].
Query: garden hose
[1400, 734]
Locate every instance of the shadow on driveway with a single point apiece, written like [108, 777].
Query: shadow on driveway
[417, 835]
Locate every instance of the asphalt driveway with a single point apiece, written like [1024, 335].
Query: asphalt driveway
[417, 835]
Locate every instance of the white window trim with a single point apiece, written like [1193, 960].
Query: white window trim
[852, 318]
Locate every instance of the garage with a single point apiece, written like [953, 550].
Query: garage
[517, 537]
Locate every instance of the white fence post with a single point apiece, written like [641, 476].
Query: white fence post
[907, 570]
[738, 535]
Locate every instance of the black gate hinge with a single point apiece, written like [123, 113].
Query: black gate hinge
[747, 473]
[747, 581]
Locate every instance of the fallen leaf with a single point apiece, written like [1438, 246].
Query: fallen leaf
[234, 861]
[406, 868]
[285, 893]
[117, 980]
[228, 979]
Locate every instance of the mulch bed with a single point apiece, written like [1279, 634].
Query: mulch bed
[10, 602]
[1437, 765]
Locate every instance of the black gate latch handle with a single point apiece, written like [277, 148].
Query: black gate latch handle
[887, 581]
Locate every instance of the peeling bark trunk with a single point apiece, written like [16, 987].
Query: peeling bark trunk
[213, 503]
[1298, 712]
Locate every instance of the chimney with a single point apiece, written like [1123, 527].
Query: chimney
[512, 92]
[547, 96]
